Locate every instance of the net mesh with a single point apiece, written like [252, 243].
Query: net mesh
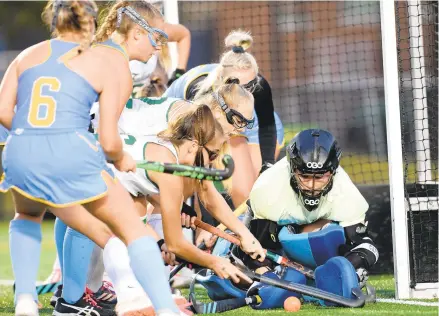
[417, 30]
[323, 62]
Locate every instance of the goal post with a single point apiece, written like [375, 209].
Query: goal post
[394, 144]
[417, 31]
[367, 72]
[170, 12]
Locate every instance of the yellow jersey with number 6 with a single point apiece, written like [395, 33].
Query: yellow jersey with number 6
[51, 96]
[50, 156]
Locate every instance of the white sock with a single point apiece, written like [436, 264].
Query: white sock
[56, 265]
[117, 265]
[96, 270]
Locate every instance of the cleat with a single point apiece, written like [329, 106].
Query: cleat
[85, 306]
[106, 294]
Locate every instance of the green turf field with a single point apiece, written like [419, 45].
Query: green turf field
[383, 284]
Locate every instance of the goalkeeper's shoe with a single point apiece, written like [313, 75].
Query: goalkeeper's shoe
[85, 306]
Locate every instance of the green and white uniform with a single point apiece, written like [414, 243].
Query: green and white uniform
[141, 117]
[141, 120]
[138, 182]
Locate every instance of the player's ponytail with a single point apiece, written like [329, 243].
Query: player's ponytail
[71, 16]
[155, 88]
[195, 124]
[118, 30]
[236, 57]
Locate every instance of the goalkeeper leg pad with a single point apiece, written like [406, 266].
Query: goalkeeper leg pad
[337, 276]
[312, 249]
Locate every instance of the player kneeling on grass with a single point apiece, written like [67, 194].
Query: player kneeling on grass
[307, 208]
[192, 138]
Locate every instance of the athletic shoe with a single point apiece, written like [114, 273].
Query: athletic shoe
[26, 306]
[103, 304]
[106, 294]
[56, 295]
[86, 306]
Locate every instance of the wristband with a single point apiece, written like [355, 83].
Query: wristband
[160, 243]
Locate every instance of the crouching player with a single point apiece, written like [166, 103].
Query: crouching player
[306, 208]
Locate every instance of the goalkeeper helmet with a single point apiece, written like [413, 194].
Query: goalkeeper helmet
[314, 157]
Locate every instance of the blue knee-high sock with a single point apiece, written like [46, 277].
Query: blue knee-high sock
[77, 255]
[60, 232]
[25, 247]
[148, 267]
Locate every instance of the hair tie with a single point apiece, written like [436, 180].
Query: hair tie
[232, 80]
[57, 5]
[238, 49]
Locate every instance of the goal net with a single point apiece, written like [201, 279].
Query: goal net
[324, 62]
[417, 40]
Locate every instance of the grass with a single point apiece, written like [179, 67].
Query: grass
[383, 283]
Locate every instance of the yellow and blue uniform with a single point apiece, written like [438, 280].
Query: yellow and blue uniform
[4, 133]
[181, 87]
[110, 44]
[50, 156]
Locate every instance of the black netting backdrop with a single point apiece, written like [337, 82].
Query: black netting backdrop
[417, 31]
[323, 61]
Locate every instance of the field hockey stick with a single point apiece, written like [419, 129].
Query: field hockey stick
[45, 288]
[218, 306]
[199, 173]
[270, 255]
[221, 306]
[239, 211]
[310, 291]
[291, 286]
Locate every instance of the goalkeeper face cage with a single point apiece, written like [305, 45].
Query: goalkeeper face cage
[313, 155]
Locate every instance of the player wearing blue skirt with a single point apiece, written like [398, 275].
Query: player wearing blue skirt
[51, 161]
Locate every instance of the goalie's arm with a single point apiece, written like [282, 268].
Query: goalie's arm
[359, 249]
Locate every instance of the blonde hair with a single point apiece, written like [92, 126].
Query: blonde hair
[235, 57]
[232, 93]
[165, 57]
[109, 29]
[71, 16]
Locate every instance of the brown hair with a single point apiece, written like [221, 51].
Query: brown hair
[109, 17]
[155, 88]
[195, 125]
[70, 16]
